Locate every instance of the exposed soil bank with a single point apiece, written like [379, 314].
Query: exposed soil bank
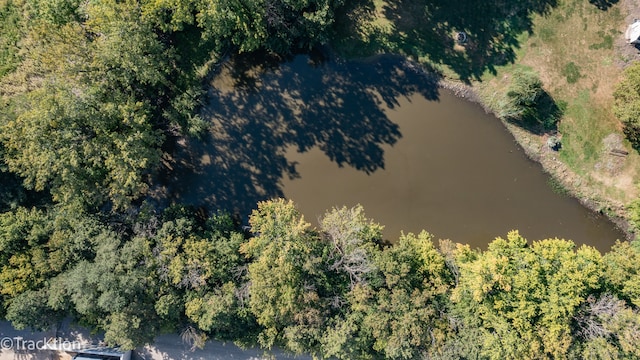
[536, 149]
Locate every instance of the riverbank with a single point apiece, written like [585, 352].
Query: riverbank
[575, 46]
[535, 146]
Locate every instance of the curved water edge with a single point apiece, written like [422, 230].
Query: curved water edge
[559, 171]
[540, 153]
[312, 106]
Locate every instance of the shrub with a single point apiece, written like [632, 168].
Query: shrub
[522, 96]
[627, 103]
[528, 104]
[572, 72]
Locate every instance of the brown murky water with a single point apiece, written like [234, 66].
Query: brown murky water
[377, 134]
[457, 173]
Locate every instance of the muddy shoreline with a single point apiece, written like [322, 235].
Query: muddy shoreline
[534, 145]
[536, 149]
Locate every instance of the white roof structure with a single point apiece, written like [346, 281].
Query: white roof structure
[633, 33]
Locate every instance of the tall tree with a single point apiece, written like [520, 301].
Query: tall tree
[622, 271]
[276, 25]
[202, 274]
[113, 292]
[84, 104]
[12, 30]
[354, 239]
[288, 283]
[398, 314]
[627, 103]
[524, 298]
[36, 246]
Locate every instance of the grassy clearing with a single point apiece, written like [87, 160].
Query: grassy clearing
[571, 45]
[573, 48]
[582, 133]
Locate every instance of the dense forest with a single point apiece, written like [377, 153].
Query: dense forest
[92, 94]
[337, 290]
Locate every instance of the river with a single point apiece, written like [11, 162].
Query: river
[374, 133]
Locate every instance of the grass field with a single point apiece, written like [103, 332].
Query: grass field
[574, 46]
[576, 50]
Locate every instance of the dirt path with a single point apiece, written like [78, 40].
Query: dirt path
[27, 345]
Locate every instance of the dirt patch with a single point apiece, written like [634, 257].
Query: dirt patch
[613, 156]
[612, 169]
[623, 181]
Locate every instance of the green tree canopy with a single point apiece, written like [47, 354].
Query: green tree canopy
[36, 245]
[622, 271]
[78, 121]
[11, 28]
[113, 292]
[524, 298]
[202, 274]
[399, 313]
[627, 103]
[288, 282]
[276, 25]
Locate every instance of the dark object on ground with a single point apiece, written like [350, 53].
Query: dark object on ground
[461, 37]
[618, 152]
[554, 143]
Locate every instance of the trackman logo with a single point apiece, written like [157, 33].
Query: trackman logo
[19, 344]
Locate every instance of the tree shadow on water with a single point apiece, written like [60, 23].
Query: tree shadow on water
[428, 29]
[261, 112]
